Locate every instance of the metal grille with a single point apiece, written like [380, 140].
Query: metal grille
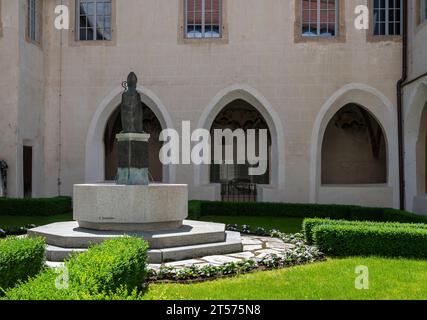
[94, 20]
[239, 192]
[387, 17]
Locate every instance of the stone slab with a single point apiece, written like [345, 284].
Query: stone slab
[114, 207]
[231, 244]
[220, 260]
[70, 235]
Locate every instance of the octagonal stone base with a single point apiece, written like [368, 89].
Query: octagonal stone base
[112, 207]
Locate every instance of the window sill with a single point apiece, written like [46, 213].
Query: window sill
[72, 42]
[420, 26]
[320, 39]
[33, 42]
[374, 38]
[203, 41]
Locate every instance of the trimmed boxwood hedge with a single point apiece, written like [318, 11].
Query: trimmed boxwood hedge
[344, 212]
[20, 258]
[116, 268]
[371, 240]
[308, 225]
[35, 207]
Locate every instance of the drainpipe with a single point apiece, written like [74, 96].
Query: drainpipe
[400, 120]
[61, 44]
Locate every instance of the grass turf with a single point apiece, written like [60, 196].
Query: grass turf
[286, 225]
[332, 280]
[21, 221]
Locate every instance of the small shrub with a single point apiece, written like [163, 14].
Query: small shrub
[309, 225]
[111, 270]
[20, 258]
[35, 207]
[367, 239]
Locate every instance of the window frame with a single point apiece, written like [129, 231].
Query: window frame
[203, 24]
[318, 21]
[339, 37]
[423, 13]
[1, 25]
[77, 22]
[182, 25]
[386, 21]
[33, 32]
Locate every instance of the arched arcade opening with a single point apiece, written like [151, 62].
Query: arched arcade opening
[354, 149]
[152, 126]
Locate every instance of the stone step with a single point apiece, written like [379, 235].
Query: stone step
[70, 235]
[232, 244]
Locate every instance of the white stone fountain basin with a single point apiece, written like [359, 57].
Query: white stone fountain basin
[112, 207]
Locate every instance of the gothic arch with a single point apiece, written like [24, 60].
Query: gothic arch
[380, 108]
[259, 102]
[94, 158]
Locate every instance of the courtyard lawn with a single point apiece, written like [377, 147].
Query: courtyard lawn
[21, 221]
[332, 280]
[283, 224]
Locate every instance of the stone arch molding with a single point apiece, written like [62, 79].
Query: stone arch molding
[258, 101]
[416, 101]
[381, 109]
[94, 158]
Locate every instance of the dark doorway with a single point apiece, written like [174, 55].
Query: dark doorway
[152, 126]
[28, 171]
[236, 183]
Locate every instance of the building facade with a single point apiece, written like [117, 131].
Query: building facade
[415, 110]
[324, 89]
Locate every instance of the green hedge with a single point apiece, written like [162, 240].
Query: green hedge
[344, 212]
[194, 209]
[309, 224]
[35, 207]
[114, 269]
[369, 240]
[20, 258]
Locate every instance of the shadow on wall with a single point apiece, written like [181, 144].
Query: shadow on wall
[354, 149]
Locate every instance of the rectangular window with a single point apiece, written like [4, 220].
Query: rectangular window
[387, 17]
[33, 20]
[93, 20]
[423, 10]
[319, 18]
[203, 19]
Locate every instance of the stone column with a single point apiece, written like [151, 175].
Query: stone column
[133, 159]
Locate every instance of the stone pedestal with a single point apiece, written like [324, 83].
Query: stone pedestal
[113, 207]
[155, 213]
[133, 159]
